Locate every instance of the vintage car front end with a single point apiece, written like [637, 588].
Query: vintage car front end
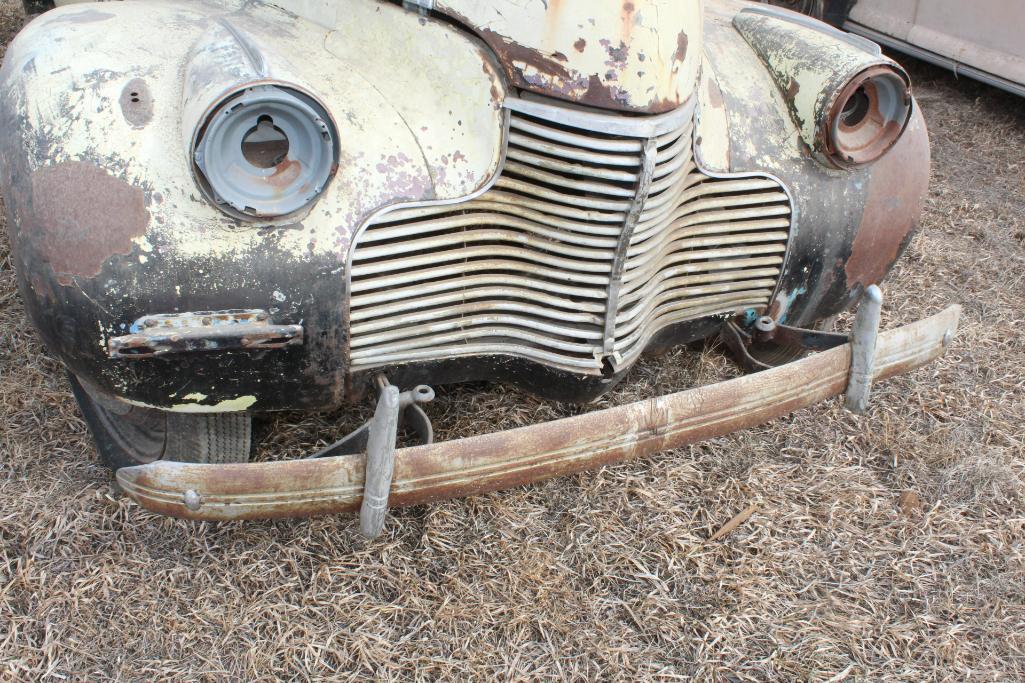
[219, 208]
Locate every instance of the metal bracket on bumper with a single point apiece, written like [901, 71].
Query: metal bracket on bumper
[383, 430]
[863, 349]
[500, 460]
[862, 340]
[377, 438]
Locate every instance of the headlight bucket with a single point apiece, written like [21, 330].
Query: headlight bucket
[850, 103]
[265, 151]
[868, 116]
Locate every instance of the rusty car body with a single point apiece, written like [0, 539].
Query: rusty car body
[980, 39]
[223, 207]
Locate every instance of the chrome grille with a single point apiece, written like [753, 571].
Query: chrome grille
[599, 232]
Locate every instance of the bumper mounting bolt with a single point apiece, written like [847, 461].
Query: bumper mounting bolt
[192, 500]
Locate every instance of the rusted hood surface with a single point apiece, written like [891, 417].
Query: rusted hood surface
[630, 55]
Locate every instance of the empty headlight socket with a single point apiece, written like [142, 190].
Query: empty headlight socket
[868, 116]
[265, 152]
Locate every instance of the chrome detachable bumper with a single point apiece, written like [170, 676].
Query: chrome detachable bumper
[505, 459]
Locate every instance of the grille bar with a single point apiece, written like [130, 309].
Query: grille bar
[600, 231]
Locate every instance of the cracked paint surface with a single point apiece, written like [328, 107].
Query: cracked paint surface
[114, 227]
[635, 55]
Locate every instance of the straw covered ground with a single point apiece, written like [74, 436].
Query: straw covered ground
[883, 547]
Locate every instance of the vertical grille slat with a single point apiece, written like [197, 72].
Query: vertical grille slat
[585, 247]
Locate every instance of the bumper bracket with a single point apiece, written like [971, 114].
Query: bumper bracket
[863, 349]
[384, 429]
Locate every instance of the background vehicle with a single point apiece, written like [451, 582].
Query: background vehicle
[981, 39]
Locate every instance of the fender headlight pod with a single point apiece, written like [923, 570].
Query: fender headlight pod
[266, 151]
[868, 116]
[850, 102]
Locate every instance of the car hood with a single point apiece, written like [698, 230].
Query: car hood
[637, 55]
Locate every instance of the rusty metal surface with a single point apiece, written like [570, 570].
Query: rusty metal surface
[408, 137]
[108, 224]
[818, 69]
[827, 267]
[742, 339]
[504, 459]
[737, 340]
[893, 204]
[156, 335]
[82, 216]
[799, 337]
[137, 103]
[628, 55]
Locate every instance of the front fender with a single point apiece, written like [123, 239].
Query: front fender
[108, 223]
[849, 226]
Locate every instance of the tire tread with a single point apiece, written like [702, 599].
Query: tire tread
[208, 437]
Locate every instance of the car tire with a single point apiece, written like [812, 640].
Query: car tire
[127, 435]
[208, 437]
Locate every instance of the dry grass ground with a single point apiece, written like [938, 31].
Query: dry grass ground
[887, 547]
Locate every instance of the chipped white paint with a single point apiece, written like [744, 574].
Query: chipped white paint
[226, 406]
[419, 121]
[643, 51]
[810, 66]
[230, 405]
[763, 134]
[712, 134]
[405, 133]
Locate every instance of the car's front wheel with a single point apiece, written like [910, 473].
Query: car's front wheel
[127, 435]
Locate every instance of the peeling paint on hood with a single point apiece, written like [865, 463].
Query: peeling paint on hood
[634, 55]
